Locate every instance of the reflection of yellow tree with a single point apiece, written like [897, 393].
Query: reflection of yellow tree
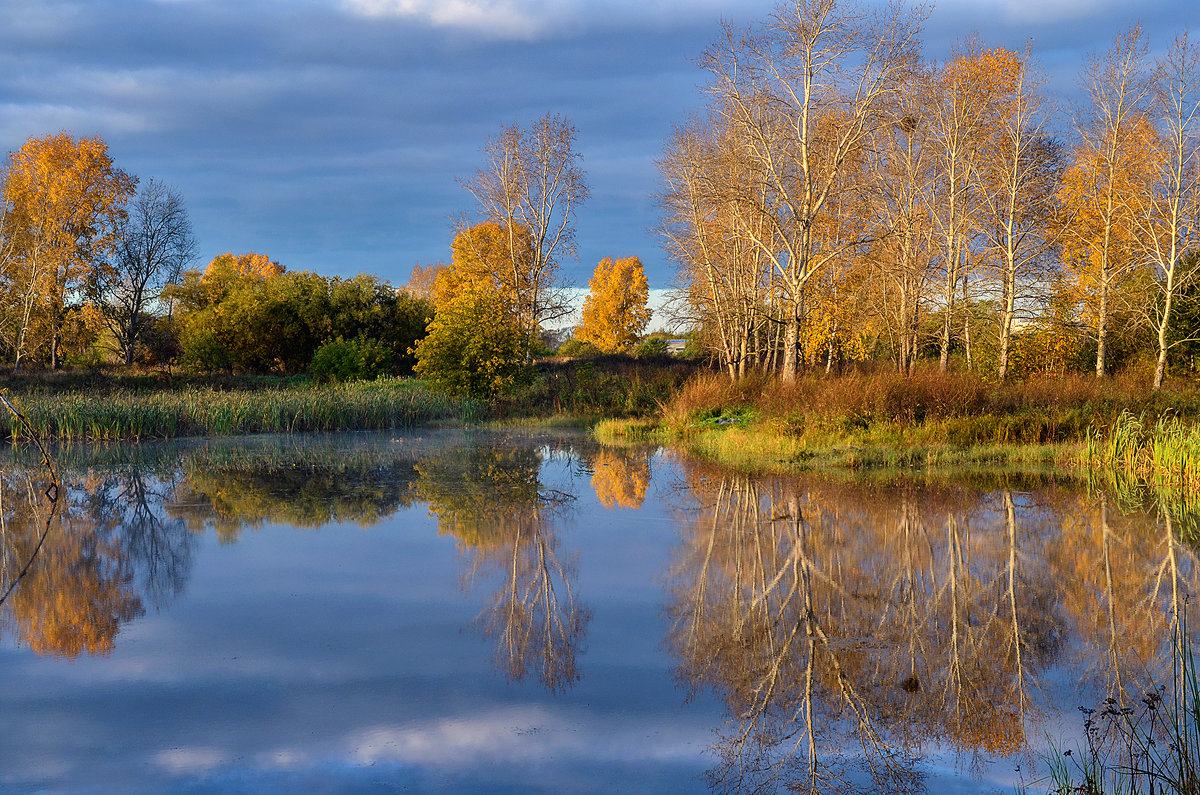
[491, 499]
[78, 588]
[620, 479]
[1128, 578]
[760, 619]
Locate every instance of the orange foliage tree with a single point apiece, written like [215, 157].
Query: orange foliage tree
[64, 198]
[1100, 192]
[482, 261]
[615, 311]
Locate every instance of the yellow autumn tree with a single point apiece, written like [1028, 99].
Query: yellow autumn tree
[481, 261]
[64, 198]
[1100, 193]
[244, 266]
[615, 311]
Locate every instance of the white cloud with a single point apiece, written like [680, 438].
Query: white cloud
[531, 19]
[524, 734]
[494, 18]
[199, 759]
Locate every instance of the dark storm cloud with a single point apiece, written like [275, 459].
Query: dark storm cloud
[329, 134]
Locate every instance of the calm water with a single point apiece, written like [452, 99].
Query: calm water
[456, 612]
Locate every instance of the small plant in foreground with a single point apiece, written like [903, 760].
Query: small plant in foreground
[1150, 747]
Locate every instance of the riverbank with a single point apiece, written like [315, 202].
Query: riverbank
[929, 420]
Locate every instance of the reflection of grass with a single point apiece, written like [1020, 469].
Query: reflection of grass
[760, 447]
[204, 411]
[1153, 747]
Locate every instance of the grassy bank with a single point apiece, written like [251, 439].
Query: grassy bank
[94, 405]
[578, 391]
[110, 411]
[924, 420]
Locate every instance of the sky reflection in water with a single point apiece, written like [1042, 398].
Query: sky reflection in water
[444, 611]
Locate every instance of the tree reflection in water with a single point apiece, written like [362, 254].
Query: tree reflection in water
[847, 627]
[127, 528]
[78, 587]
[492, 500]
[620, 477]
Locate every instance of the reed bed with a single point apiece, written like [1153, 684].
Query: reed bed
[1164, 454]
[204, 411]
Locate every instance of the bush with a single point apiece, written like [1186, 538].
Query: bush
[203, 350]
[656, 346]
[472, 348]
[350, 360]
[578, 349]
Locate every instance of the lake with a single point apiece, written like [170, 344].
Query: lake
[453, 611]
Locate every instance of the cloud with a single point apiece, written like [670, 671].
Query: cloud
[495, 18]
[190, 760]
[525, 733]
[534, 19]
[1031, 12]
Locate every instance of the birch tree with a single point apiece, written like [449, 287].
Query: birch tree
[533, 182]
[1168, 219]
[804, 91]
[1020, 174]
[66, 196]
[1109, 141]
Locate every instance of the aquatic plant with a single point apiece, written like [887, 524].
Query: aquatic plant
[205, 411]
[1150, 747]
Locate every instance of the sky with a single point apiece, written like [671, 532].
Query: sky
[333, 135]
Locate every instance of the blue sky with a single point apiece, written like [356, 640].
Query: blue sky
[330, 134]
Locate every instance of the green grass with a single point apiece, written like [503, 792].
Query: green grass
[1164, 453]
[207, 411]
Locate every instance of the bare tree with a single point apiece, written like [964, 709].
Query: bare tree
[1168, 219]
[804, 92]
[152, 247]
[533, 180]
[709, 229]
[1020, 175]
[903, 252]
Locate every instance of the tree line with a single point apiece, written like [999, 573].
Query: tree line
[94, 267]
[840, 197]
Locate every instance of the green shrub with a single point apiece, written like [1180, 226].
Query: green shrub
[473, 348]
[203, 351]
[656, 346]
[578, 349]
[350, 360]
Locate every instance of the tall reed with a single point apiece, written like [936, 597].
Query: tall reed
[203, 411]
[1164, 454]
[1151, 747]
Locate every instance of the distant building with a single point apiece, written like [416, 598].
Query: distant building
[675, 347]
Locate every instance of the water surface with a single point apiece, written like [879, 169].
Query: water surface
[515, 612]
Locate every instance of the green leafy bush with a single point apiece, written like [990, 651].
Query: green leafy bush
[350, 360]
[472, 347]
[578, 349]
[655, 346]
